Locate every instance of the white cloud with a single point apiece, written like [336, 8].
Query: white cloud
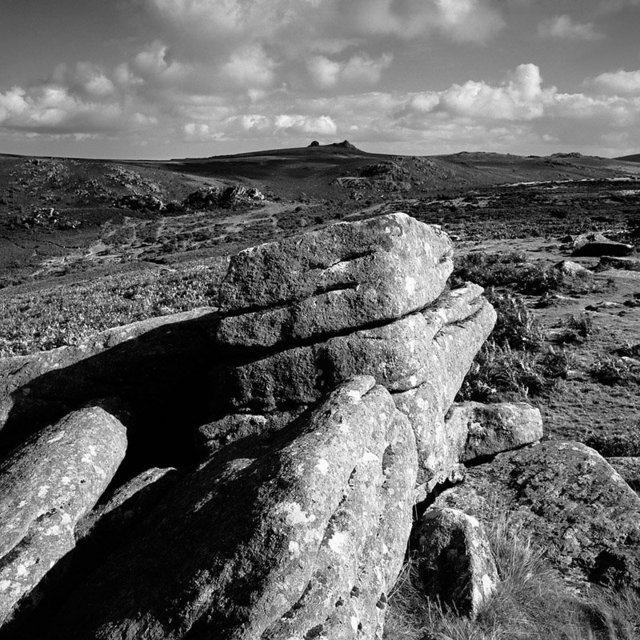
[521, 98]
[359, 69]
[302, 124]
[250, 67]
[461, 20]
[619, 82]
[51, 108]
[564, 28]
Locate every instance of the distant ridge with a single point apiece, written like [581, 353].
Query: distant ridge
[632, 158]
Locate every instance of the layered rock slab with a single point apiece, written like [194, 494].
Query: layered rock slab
[448, 361]
[571, 501]
[303, 541]
[396, 354]
[46, 486]
[346, 276]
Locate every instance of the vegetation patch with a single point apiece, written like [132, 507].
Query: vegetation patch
[531, 602]
[68, 314]
[510, 270]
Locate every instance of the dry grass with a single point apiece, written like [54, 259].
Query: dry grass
[531, 602]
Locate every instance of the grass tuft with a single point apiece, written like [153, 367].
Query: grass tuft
[531, 602]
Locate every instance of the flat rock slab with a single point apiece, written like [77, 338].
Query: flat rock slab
[345, 276]
[46, 486]
[572, 502]
[396, 354]
[301, 542]
[494, 428]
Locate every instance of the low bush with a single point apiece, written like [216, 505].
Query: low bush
[582, 325]
[505, 270]
[500, 373]
[531, 602]
[610, 370]
[515, 327]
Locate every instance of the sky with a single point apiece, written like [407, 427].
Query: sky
[192, 78]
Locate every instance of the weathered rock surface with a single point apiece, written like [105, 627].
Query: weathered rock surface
[629, 469]
[343, 277]
[574, 504]
[302, 542]
[595, 244]
[46, 486]
[129, 501]
[449, 359]
[212, 436]
[493, 428]
[396, 354]
[454, 559]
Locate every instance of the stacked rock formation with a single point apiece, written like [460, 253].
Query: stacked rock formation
[363, 298]
[305, 417]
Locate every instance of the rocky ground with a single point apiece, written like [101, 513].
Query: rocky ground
[253, 354]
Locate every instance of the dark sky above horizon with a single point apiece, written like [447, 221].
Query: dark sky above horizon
[172, 78]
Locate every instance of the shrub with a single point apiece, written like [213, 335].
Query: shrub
[515, 326]
[610, 370]
[582, 325]
[505, 270]
[500, 373]
[531, 602]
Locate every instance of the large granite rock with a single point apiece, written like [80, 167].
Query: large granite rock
[454, 559]
[304, 541]
[343, 277]
[46, 486]
[448, 361]
[493, 428]
[571, 501]
[396, 354]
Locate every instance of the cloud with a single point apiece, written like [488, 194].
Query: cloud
[250, 67]
[520, 98]
[359, 69]
[53, 109]
[619, 82]
[564, 28]
[460, 20]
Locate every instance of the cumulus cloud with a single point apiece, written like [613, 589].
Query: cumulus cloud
[619, 82]
[359, 69]
[461, 20]
[250, 67]
[520, 98]
[564, 28]
[53, 109]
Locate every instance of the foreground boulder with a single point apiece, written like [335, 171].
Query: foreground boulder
[566, 496]
[304, 541]
[46, 486]
[454, 560]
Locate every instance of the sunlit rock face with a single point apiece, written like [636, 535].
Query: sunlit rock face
[276, 444]
[46, 486]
